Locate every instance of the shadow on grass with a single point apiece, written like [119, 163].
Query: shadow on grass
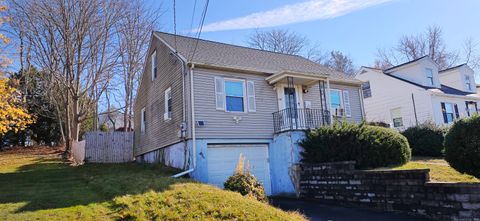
[49, 184]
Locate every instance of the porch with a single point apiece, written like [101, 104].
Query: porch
[302, 101]
[299, 119]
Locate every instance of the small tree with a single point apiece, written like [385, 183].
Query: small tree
[243, 182]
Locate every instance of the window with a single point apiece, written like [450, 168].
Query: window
[154, 65]
[429, 73]
[367, 91]
[234, 95]
[340, 102]
[450, 111]
[143, 120]
[168, 104]
[397, 117]
[336, 102]
[468, 83]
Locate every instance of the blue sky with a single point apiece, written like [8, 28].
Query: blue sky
[355, 27]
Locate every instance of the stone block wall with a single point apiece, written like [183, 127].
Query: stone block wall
[408, 191]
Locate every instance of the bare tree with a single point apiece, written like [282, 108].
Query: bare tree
[134, 31]
[471, 54]
[284, 41]
[277, 40]
[429, 43]
[340, 62]
[72, 42]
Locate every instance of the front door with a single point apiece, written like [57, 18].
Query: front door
[290, 104]
[289, 97]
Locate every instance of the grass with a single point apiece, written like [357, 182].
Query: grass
[36, 185]
[440, 170]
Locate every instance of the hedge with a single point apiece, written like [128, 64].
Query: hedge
[369, 146]
[462, 146]
[425, 140]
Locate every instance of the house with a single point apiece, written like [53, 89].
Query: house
[200, 104]
[417, 92]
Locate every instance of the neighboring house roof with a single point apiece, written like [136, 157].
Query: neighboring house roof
[406, 63]
[449, 69]
[443, 88]
[234, 56]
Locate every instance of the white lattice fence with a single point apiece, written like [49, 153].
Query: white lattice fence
[108, 147]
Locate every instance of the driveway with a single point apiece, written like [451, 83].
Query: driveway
[322, 212]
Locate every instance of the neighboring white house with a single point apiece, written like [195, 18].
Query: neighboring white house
[417, 91]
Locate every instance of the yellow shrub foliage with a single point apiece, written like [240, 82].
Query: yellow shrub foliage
[12, 115]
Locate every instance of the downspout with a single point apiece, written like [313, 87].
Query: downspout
[360, 91]
[414, 110]
[194, 145]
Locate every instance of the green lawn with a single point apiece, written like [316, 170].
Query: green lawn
[440, 171]
[36, 185]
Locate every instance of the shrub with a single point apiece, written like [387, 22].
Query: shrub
[462, 146]
[379, 123]
[425, 140]
[369, 146]
[243, 182]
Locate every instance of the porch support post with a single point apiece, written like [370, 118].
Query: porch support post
[321, 89]
[328, 101]
[290, 86]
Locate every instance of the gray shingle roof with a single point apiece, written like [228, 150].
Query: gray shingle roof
[221, 54]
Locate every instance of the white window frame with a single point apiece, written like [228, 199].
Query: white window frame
[153, 61]
[468, 82]
[365, 89]
[143, 120]
[245, 96]
[454, 115]
[430, 80]
[167, 115]
[393, 117]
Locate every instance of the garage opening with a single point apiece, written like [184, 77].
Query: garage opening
[223, 158]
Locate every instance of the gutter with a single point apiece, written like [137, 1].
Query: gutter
[194, 138]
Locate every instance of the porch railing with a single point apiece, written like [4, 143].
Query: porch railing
[299, 119]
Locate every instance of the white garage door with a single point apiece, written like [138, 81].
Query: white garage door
[223, 158]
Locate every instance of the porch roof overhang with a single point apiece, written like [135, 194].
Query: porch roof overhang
[306, 79]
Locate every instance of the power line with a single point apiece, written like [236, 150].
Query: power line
[175, 25]
[204, 13]
[193, 15]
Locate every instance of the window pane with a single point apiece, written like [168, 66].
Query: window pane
[234, 88]
[449, 108]
[335, 99]
[449, 118]
[397, 122]
[429, 75]
[234, 104]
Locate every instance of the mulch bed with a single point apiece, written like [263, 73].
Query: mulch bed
[34, 150]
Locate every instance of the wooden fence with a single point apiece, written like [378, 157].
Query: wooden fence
[108, 147]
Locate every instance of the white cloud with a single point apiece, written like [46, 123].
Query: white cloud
[293, 13]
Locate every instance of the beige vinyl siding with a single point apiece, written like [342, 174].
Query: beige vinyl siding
[355, 102]
[220, 124]
[158, 132]
[313, 96]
